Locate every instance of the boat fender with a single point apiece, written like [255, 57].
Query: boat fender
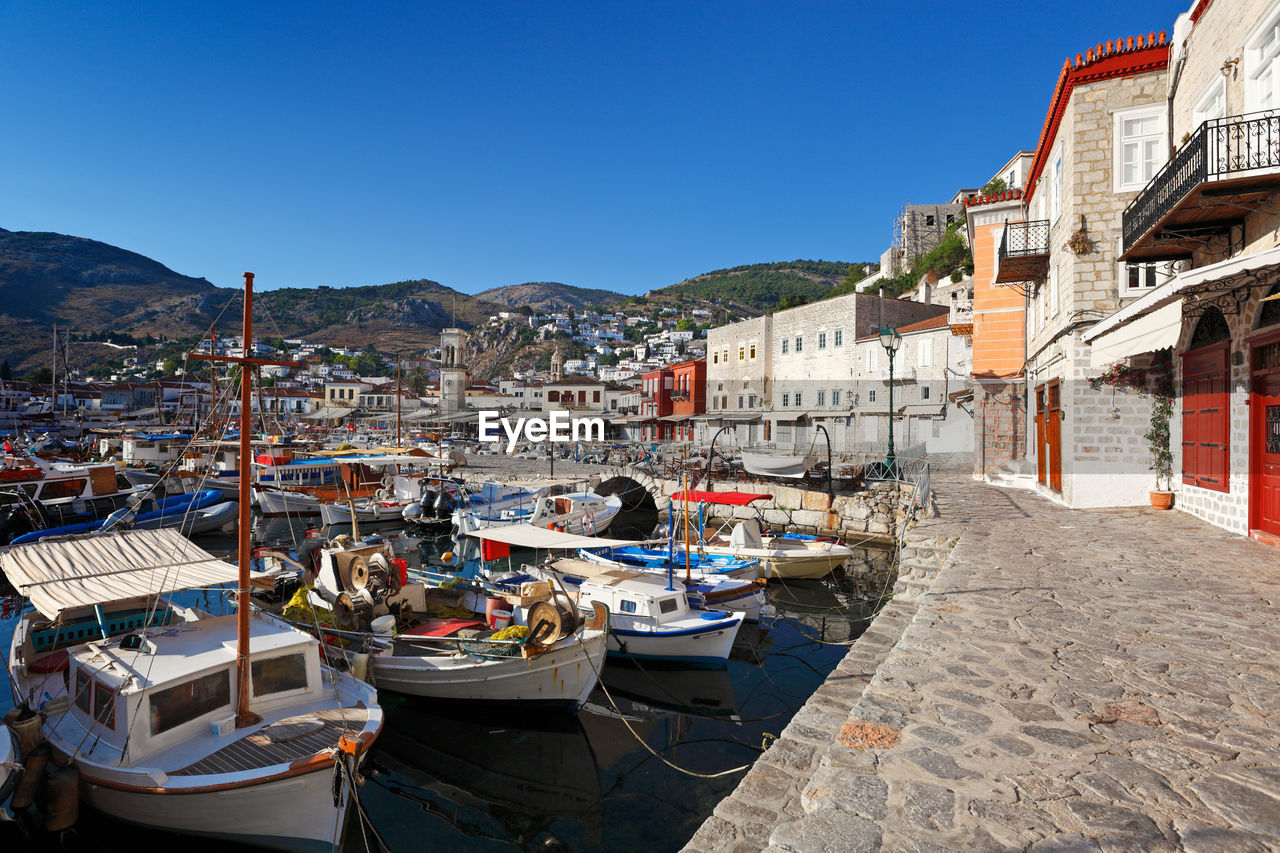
[362, 668]
[382, 495]
[27, 727]
[32, 776]
[62, 809]
[388, 482]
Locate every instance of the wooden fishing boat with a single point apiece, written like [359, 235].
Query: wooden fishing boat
[437, 643]
[223, 726]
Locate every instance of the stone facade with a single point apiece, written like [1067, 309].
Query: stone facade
[1104, 459]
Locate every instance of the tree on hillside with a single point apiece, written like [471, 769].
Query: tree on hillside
[526, 310]
[417, 380]
[684, 324]
[6, 372]
[41, 376]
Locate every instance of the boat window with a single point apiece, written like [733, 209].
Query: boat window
[278, 674]
[174, 706]
[10, 496]
[667, 605]
[63, 489]
[83, 688]
[627, 606]
[104, 706]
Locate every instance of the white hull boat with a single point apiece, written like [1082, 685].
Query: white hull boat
[140, 695]
[647, 620]
[454, 658]
[579, 513]
[377, 512]
[785, 558]
[285, 502]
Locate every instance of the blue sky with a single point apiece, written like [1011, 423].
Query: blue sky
[623, 146]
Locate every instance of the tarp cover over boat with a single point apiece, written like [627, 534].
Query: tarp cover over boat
[767, 465]
[531, 536]
[726, 498]
[90, 570]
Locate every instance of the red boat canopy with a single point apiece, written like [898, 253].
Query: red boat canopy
[727, 498]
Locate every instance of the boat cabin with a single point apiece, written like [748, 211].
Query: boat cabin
[163, 680]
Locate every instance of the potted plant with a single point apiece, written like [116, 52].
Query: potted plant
[1161, 456]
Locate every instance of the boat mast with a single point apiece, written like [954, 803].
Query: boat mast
[244, 717]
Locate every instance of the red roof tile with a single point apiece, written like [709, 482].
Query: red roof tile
[1119, 58]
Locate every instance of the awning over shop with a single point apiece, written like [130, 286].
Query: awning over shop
[785, 416]
[674, 419]
[1150, 332]
[921, 409]
[1183, 285]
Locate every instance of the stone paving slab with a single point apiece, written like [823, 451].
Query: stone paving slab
[1074, 680]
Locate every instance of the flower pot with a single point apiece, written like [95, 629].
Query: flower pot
[1161, 499]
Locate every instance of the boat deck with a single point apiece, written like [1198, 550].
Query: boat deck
[283, 742]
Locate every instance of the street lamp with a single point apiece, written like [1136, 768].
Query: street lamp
[891, 340]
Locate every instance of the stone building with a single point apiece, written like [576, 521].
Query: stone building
[1210, 218]
[1103, 138]
[813, 358]
[739, 380]
[931, 374]
[453, 372]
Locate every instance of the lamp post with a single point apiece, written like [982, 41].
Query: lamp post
[891, 340]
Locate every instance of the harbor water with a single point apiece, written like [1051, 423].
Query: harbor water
[640, 767]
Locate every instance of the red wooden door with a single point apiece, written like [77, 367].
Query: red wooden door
[1042, 451]
[1053, 426]
[1264, 441]
[1206, 418]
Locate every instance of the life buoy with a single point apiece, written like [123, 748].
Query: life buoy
[388, 481]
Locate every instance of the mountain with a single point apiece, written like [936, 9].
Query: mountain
[550, 296]
[71, 280]
[89, 286]
[759, 287]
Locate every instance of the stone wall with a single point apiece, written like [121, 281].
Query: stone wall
[999, 424]
[876, 513]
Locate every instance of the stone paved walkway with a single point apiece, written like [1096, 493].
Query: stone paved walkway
[1075, 680]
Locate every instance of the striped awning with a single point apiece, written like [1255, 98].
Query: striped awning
[86, 570]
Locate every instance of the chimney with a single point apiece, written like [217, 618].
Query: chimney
[882, 306]
[928, 293]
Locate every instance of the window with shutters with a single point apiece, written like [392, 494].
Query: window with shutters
[1206, 399]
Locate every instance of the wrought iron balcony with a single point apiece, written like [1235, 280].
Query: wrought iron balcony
[1225, 170]
[1024, 251]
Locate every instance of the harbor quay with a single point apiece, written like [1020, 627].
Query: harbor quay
[1067, 680]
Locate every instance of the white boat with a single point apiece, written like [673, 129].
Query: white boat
[227, 726]
[369, 513]
[143, 697]
[648, 618]
[706, 590]
[581, 513]
[785, 557]
[456, 658]
[777, 465]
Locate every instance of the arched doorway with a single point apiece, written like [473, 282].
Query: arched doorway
[1206, 404]
[1264, 418]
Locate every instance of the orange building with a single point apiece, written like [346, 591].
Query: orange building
[999, 338]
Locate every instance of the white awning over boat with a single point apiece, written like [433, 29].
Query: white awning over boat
[1155, 331]
[530, 536]
[89, 570]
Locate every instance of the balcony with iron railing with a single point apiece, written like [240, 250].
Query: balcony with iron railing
[1024, 252]
[1226, 169]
